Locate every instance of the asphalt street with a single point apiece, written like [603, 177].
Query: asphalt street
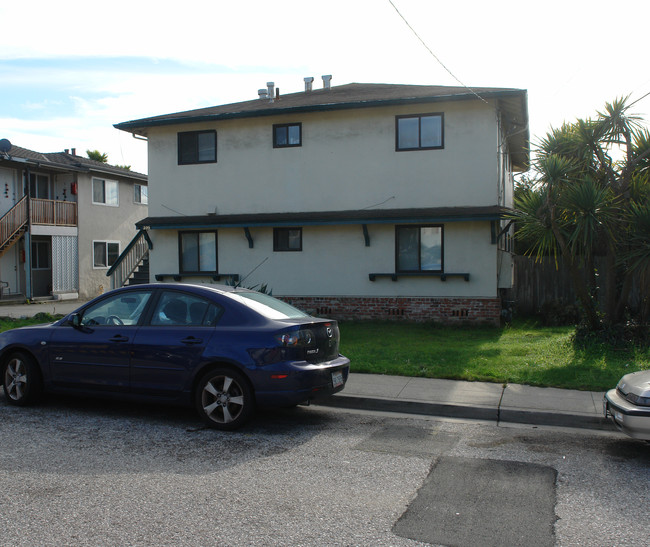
[89, 472]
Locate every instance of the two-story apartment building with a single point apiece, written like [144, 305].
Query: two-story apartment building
[64, 221]
[356, 201]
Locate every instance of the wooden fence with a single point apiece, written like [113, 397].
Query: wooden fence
[539, 283]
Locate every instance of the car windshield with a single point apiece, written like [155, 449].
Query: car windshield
[267, 306]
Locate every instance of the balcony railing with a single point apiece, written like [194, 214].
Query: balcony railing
[42, 211]
[53, 212]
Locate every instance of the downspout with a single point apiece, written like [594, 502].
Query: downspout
[28, 240]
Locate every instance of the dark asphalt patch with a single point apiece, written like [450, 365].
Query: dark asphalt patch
[469, 502]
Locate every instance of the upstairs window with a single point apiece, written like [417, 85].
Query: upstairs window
[198, 252]
[39, 186]
[420, 132]
[105, 192]
[418, 248]
[287, 239]
[140, 194]
[197, 147]
[287, 135]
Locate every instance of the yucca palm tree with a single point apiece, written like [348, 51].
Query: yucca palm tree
[590, 196]
[97, 156]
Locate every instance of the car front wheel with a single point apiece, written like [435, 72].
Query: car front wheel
[224, 399]
[22, 380]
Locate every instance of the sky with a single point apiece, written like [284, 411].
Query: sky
[71, 70]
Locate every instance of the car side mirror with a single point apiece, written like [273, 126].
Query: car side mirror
[75, 320]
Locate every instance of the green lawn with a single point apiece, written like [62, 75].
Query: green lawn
[524, 353]
[7, 323]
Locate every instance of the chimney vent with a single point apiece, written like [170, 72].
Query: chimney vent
[66, 150]
[263, 93]
[74, 151]
[270, 86]
[308, 83]
[326, 81]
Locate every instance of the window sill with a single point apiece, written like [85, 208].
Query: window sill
[213, 276]
[442, 275]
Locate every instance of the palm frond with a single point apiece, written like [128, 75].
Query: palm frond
[533, 224]
[641, 151]
[637, 253]
[589, 212]
[616, 122]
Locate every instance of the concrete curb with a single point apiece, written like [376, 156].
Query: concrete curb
[498, 415]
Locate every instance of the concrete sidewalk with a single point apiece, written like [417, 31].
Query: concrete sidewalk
[450, 398]
[18, 310]
[476, 400]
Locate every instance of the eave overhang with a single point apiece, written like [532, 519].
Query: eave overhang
[273, 109]
[70, 167]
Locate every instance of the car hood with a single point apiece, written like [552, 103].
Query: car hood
[637, 383]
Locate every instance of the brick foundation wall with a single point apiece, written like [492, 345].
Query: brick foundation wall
[443, 310]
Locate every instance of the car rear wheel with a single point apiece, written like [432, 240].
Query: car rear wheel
[224, 399]
[22, 379]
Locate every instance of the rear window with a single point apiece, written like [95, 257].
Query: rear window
[266, 305]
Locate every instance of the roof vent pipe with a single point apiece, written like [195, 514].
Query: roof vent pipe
[326, 81]
[263, 93]
[308, 82]
[270, 86]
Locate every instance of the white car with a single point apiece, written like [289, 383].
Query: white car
[629, 405]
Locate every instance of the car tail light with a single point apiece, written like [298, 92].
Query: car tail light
[296, 338]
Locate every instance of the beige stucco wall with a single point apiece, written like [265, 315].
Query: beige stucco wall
[347, 161]
[99, 222]
[335, 261]
[10, 190]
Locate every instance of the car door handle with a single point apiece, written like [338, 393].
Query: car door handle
[191, 340]
[119, 339]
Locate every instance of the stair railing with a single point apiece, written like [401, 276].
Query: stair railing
[129, 260]
[13, 221]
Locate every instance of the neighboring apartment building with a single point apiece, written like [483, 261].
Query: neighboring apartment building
[65, 220]
[356, 201]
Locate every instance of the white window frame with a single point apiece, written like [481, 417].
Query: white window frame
[106, 244]
[106, 182]
[145, 194]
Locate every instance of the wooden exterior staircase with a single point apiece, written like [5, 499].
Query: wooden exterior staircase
[132, 266]
[12, 225]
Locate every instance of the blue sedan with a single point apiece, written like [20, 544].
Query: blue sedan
[222, 349]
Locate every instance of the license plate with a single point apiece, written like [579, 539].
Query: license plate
[337, 379]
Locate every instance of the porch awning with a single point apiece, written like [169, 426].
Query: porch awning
[323, 218]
